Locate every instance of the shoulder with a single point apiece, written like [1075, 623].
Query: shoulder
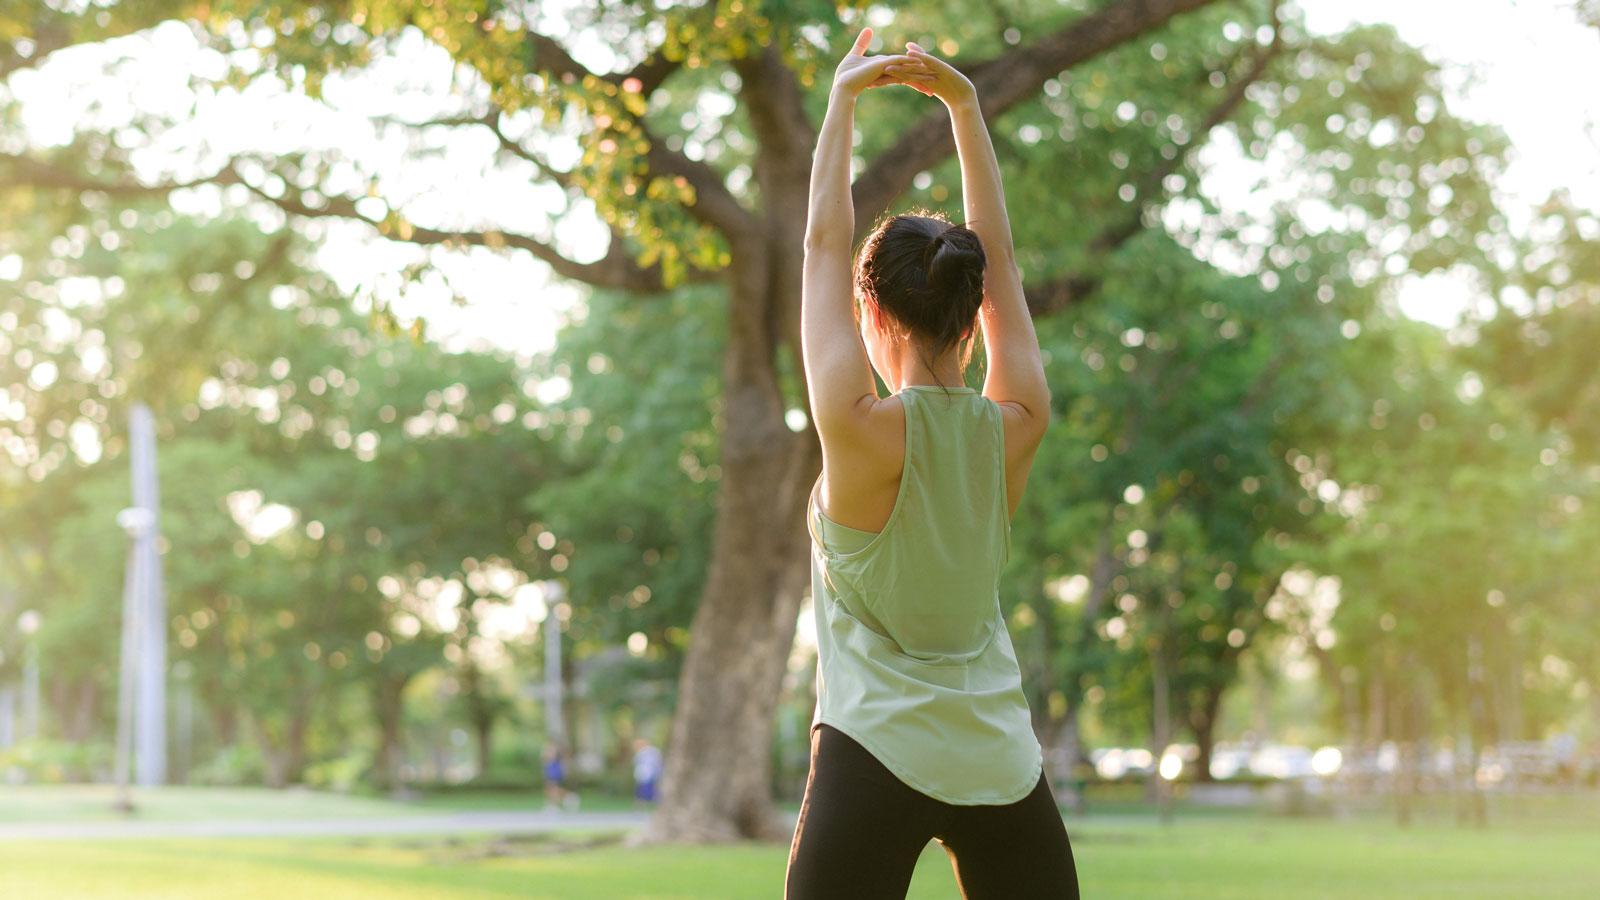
[871, 425]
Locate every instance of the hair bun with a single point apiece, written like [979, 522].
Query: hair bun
[955, 270]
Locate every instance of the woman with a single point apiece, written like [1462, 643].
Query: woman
[922, 729]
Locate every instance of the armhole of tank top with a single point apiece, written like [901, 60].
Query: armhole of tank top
[1000, 461]
[812, 511]
[899, 497]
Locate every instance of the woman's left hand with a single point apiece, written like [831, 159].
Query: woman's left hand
[857, 71]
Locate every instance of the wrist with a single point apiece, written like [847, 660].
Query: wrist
[966, 103]
[841, 95]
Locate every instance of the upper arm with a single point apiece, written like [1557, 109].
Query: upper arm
[1015, 368]
[838, 374]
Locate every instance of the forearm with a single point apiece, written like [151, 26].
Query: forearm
[1016, 371]
[830, 217]
[981, 189]
[836, 366]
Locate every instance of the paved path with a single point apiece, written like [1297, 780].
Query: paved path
[423, 824]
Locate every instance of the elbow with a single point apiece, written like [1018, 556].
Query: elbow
[1041, 409]
[1046, 411]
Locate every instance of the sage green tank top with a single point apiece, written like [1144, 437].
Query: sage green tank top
[914, 659]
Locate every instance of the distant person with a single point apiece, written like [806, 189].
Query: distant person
[646, 771]
[922, 730]
[1564, 750]
[556, 794]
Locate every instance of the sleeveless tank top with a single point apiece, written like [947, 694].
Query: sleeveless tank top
[914, 659]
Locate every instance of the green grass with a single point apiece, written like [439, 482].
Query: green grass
[1118, 856]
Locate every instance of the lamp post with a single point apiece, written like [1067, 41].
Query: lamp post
[28, 623]
[554, 727]
[135, 521]
[150, 721]
[142, 687]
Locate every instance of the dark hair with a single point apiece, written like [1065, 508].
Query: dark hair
[926, 274]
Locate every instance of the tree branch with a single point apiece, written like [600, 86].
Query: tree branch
[614, 270]
[714, 204]
[1002, 84]
[54, 30]
[491, 121]
[18, 169]
[776, 104]
[45, 40]
[651, 72]
[1150, 185]
[1049, 297]
[545, 54]
[1056, 295]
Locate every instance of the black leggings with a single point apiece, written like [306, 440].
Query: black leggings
[862, 829]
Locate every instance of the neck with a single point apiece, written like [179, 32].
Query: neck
[944, 372]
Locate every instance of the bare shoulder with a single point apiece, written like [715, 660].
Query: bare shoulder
[863, 455]
[868, 420]
[871, 436]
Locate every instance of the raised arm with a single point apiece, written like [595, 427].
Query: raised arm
[1015, 369]
[837, 371]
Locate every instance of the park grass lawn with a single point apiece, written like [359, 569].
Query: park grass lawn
[1119, 857]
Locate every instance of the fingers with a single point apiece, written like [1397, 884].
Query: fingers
[924, 87]
[885, 82]
[912, 78]
[862, 40]
[915, 51]
[910, 65]
[882, 64]
[907, 72]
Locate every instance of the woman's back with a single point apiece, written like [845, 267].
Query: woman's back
[914, 659]
[929, 575]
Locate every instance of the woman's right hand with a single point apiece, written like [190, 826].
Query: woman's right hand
[932, 75]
